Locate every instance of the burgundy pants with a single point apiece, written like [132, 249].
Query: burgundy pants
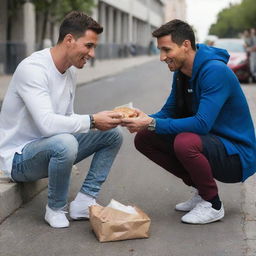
[182, 155]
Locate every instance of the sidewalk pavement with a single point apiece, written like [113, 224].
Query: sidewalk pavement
[249, 187]
[13, 195]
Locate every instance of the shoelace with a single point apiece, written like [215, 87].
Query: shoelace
[199, 208]
[60, 212]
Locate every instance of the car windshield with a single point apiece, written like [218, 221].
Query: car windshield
[230, 46]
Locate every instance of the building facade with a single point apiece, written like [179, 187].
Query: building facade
[17, 35]
[128, 25]
[127, 30]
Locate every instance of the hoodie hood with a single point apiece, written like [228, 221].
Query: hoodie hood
[206, 53]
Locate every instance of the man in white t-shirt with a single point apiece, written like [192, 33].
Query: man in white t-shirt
[41, 136]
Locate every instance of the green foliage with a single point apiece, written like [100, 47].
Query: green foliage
[57, 9]
[50, 11]
[235, 19]
[78, 5]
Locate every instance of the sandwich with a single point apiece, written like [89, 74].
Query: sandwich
[126, 112]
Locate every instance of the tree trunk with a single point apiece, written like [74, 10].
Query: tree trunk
[44, 28]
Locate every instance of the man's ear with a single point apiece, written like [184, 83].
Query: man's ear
[68, 39]
[187, 45]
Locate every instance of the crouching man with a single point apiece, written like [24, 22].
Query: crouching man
[204, 131]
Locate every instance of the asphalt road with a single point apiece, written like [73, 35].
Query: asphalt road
[133, 180]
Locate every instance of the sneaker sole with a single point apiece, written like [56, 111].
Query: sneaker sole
[55, 226]
[78, 217]
[207, 222]
[179, 210]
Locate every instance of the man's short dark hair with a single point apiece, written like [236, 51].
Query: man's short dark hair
[76, 23]
[179, 30]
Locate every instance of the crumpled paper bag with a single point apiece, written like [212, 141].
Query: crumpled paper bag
[110, 224]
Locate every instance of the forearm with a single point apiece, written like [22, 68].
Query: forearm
[51, 124]
[175, 126]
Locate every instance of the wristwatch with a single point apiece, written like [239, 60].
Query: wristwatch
[92, 122]
[152, 125]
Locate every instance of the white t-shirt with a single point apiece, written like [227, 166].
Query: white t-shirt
[38, 103]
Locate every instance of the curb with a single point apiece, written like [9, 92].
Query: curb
[13, 195]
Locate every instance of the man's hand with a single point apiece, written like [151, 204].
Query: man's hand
[106, 120]
[137, 123]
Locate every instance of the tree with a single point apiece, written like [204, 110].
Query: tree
[235, 19]
[51, 10]
[54, 10]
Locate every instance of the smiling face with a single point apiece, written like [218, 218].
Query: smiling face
[171, 53]
[82, 49]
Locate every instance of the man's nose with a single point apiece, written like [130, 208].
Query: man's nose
[92, 52]
[162, 56]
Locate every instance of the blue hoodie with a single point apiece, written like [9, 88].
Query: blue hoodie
[220, 106]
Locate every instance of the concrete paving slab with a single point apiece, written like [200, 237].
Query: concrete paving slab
[133, 180]
[136, 180]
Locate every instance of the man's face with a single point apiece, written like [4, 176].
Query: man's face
[173, 54]
[82, 49]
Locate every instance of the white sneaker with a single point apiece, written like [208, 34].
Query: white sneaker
[56, 219]
[190, 204]
[80, 209]
[203, 213]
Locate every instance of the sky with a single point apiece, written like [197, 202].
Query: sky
[202, 13]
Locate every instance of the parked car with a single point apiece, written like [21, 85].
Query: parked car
[238, 61]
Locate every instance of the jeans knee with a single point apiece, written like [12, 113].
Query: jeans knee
[66, 145]
[186, 143]
[116, 136]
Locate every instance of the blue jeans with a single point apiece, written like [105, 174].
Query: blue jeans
[54, 157]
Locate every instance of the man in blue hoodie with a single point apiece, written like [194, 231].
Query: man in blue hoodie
[204, 131]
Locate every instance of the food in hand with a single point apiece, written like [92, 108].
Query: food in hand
[126, 112]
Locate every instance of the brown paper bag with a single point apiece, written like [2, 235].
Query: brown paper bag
[111, 225]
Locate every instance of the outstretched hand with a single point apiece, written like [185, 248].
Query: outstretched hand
[137, 123]
[106, 120]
